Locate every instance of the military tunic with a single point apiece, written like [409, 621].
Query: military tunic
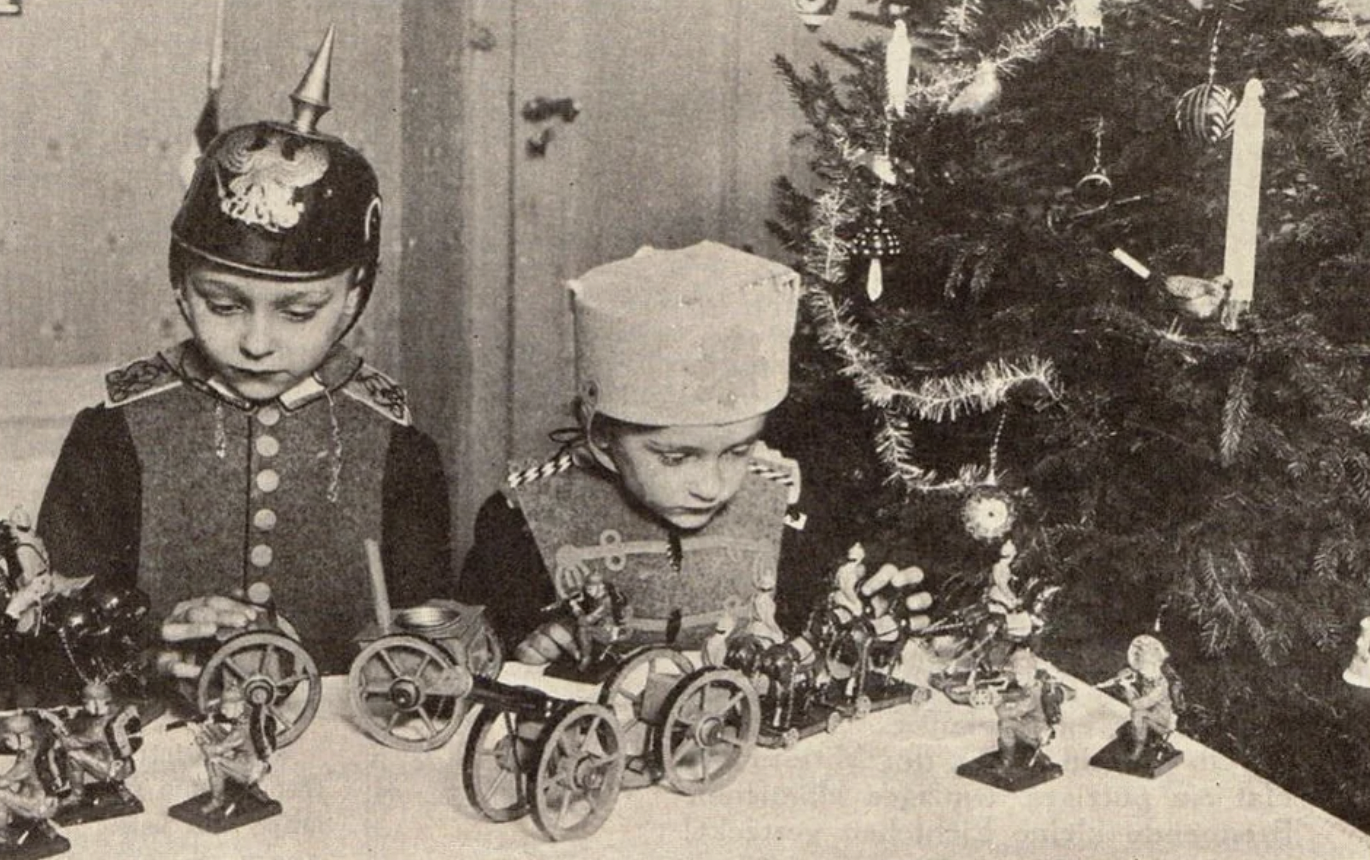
[181, 487]
[536, 541]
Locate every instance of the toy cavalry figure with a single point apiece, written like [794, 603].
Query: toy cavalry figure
[1153, 693]
[30, 791]
[1028, 710]
[99, 741]
[1008, 617]
[236, 743]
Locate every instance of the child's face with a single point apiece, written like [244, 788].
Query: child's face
[262, 336]
[684, 474]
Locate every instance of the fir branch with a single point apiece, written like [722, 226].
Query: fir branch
[1236, 413]
[1024, 45]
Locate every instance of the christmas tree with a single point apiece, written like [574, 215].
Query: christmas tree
[1024, 251]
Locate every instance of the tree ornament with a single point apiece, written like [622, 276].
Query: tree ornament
[988, 514]
[814, 13]
[1204, 113]
[875, 242]
[981, 93]
[898, 59]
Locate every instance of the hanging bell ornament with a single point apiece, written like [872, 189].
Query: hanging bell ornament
[1204, 113]
[875, 242]
[814, 13]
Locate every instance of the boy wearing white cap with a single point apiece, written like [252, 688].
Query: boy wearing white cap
[680, 357]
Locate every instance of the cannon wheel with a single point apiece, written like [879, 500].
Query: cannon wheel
[495, 769]
[401, 693]
[712, 719]
[272, 670]
[623, 694]
[579, 772]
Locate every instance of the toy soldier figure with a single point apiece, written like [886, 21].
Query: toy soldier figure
[236, 744]
[99, 741]
[1028, 708]
[28, 792]
[1153, 694]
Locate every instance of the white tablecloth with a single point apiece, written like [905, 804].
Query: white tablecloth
[883, 787]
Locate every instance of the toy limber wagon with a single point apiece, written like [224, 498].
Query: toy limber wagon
[267, 662]
[407, 684]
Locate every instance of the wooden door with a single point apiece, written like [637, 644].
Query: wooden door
[676, 140]
[680, 130]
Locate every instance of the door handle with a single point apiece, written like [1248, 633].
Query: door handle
[541, 109]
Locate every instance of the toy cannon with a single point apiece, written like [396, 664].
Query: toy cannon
[528, 751]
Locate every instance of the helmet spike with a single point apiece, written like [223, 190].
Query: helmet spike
[311, 96]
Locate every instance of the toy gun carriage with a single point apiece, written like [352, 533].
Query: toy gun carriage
[267, 662]
[528, 751]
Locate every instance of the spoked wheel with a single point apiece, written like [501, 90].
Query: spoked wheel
[495, 769]
[407, 693]
[635, 692]
[272, 670]
[579, 772]
[712, 719]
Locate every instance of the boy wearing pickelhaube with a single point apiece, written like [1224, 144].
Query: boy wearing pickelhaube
[669, 493]
[261, 450]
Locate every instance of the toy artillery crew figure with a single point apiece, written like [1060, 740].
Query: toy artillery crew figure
[1152, 690]
[29, 792]
[592, 618]
[99, 741]
[1029, 708]
[236, 744]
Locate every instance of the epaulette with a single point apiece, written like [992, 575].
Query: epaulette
[139, 379]
[555, 466]
[374, 389]
[773, 466]
[785, 473]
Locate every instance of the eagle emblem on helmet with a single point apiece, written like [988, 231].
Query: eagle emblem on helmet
[267, 169]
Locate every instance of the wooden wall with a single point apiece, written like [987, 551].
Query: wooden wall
[97, 102]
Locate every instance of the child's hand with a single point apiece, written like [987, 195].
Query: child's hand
[194, 622]
[901, 580]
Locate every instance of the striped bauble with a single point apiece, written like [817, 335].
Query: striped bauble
[1204, 113]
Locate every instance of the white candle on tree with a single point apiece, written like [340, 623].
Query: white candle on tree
[1244, 199]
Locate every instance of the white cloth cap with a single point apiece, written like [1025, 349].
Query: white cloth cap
[699, 335]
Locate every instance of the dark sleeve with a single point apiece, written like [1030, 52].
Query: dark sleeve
[416, 546]
[505, 574]
[92, 510]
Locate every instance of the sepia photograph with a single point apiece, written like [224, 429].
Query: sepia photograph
[784, 429]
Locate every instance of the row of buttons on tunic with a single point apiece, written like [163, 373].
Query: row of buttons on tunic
[267, 480]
